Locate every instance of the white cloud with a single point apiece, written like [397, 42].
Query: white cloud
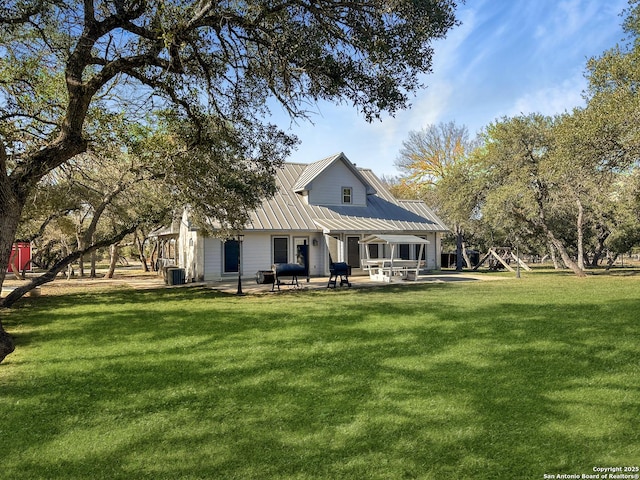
[551, 100]
[568, 18]
[578, 26]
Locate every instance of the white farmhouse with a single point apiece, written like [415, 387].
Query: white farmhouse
[323, 212]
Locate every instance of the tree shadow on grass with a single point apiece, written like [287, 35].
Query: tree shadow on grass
[197, 384]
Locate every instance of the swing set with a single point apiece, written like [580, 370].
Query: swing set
[501, 257]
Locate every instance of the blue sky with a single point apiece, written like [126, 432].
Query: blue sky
[508, 57]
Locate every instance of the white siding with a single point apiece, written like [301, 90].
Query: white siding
[432, 254]
[191, 256]
[212, 254]
[326, 189]
[257, 254]
[318, 262]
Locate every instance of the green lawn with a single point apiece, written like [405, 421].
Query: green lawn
[510, 379]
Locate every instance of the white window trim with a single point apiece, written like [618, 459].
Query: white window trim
[273, 252]
[350, 193]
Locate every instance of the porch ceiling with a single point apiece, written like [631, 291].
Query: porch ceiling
[397, 239]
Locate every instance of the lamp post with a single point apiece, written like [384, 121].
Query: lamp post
[240, 239]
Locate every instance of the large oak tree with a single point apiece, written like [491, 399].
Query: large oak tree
[429, 157]
[522, 180]
[222, 60]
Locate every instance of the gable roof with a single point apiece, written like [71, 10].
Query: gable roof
[314, 170]
[383, 213]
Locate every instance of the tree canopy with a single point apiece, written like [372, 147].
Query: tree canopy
[431, 159]
[428, 154]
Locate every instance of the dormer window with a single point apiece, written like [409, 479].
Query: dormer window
[325, 183]
[347, 195]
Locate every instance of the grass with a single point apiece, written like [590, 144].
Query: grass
[487, 380]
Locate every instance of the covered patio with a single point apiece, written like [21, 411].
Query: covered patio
[394, 266]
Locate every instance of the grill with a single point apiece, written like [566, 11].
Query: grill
[339, 269]
[265, 276]
[291, 270]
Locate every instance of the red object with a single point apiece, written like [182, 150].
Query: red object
[21, 250]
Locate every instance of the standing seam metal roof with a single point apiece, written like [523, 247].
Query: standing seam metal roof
[287, 210]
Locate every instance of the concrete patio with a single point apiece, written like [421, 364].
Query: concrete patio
[145, 281]
[249, 286]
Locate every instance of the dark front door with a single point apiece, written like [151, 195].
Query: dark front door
[302, 257]
[353, 252]
[231, 256]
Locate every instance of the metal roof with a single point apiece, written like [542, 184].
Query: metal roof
[311, 171]
[399, 239]
[287, 210]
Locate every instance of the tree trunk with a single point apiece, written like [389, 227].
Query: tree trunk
[7, 344]
[602, 235]
[465, 254]
[115, 253]
[9, 218]
[554, 257]
[611, 259]
[10, 210]
[93, 257]
[559, 246]
[459, 239]
[65, 251]
[140, 241]
[17, 182]
[81, 259]
[93, 264]
[154, 267]
[15, 269]
[580, 233]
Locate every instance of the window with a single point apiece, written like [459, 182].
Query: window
[346, 195]
[404, 251]
[231, 254]
[280, 250]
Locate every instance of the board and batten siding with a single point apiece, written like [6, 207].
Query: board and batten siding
[256, 253]
[212, 259]
[327, 188]
[432, 252]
